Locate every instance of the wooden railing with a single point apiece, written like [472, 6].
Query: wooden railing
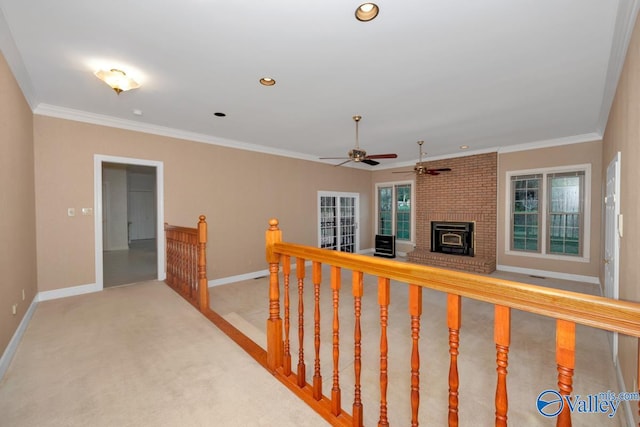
[566, 308]
[187, 262]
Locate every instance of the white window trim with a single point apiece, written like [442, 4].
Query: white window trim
[586, 234]
[393, 223]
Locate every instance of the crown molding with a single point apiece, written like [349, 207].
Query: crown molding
[575, 139]
[102, 120]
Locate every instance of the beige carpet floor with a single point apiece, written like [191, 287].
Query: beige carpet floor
[532, 367]
[138, 355]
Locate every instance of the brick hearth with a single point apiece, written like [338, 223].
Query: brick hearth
[468, 193]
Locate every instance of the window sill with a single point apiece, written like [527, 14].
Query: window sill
[549, 257]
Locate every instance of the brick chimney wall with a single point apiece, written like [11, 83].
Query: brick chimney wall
[468, 193]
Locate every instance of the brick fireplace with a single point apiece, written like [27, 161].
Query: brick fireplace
[463, 199]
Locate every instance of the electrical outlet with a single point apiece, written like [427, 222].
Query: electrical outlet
[14, 309]
[71, 212]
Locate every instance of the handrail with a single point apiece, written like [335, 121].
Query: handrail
[186, 266]
[599, 312]
[566, 307]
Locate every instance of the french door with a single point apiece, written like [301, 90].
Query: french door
[338, 215]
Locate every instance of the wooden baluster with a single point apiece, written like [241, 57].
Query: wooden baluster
[454, 322]
[179, 264]
[502, 336]
[358, 291]
[336, 404]
[193, 266]
[300, 272]
[415, 311]
[274, 324]
[203, 284]
[565, 358]
[384, 298]
[183, 266]
[317, 377]
[286, 271]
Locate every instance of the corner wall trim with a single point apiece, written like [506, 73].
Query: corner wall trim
[68, 292]
[10, 351]
[628, 412]
[552, 274]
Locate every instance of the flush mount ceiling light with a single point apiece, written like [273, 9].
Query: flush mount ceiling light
[267, 81]
[367, 12]
[117, 80]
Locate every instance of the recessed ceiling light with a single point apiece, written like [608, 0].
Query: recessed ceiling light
[219, 114]
[464, 147]
[267, 81]
[137, 112]
[367, 12]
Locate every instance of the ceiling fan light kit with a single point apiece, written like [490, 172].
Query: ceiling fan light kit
[421, 169]
[358, 155]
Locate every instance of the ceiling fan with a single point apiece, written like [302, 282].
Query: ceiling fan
[420, 169]
[358, 155]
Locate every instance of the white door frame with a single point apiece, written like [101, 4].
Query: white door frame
[98, 160]
[613, 230]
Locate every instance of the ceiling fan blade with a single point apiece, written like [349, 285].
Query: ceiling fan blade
[404, 172]
[334, 158]
[440, 170]
[346, 161]
[382, 156]
[370, 162]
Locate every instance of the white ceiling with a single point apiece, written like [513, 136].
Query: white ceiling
[490, 74]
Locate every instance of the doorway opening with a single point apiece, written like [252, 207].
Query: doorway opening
[129, 221]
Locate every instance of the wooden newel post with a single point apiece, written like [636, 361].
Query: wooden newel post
[203, 284]
[275, 345]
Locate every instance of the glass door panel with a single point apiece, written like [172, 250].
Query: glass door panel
[338, 213]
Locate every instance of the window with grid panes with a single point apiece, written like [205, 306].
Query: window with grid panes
[565, 212]
[559, 199]
[394, 210]
[525, 213]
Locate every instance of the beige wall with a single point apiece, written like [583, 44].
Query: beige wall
[623, 135]
[237, 190]
[566, 155]
[17, 206]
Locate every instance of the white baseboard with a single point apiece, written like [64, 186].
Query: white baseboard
[68, 292]
[10, 351]
[552, 274]
[238, 278]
